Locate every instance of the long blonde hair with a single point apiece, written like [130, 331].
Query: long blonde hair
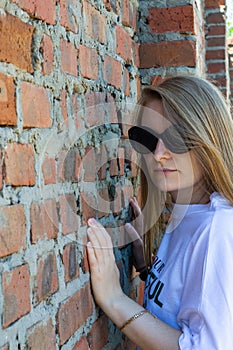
[202, 115]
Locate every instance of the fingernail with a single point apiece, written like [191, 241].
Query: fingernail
[92, 221]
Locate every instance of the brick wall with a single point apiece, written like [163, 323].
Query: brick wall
[70, 74]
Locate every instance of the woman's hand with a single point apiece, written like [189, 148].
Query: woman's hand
[135, 233]
[104, 271]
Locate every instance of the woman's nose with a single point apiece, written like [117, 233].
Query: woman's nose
[161, 152]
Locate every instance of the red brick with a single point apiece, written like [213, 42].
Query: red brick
[98, 336]
[124, 44]
[214, 3]
[47, 51]
[173, 19]
[85, 262]
[89, 164]
[101, 162]
[215, 18]
[82, 344]
[16, 291]
[8, 114]
[46, 10]
[44, 220]
[88, 206]
[12, 229]
[216, 30]
[95, 23]
[47, 277]
[216, 67]
[5, 347]
[168, 54]
[111, 110]
[126, 82]
[42, 336]
[69, 163]
[95, 108]
[88, 62]
[112, 72]
[19, 165]
[215, 42]
[16, 42]
[70, 261]
[113, 168]
[121, 160]
[49, 170]
[63, 106]
[116, 204]
[136, 54]
[129, 14]
[68, 213]
[35, 106]
[69, 59]
[74, 312]
[103, 203]
[215, 55]
[67, 19]
[26, 5]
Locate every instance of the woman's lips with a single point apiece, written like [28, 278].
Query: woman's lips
[165, 171]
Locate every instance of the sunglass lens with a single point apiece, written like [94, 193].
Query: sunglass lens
[142, 140]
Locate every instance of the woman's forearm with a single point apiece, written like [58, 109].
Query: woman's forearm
[147, 332]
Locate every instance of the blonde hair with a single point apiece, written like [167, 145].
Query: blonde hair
[200, 111]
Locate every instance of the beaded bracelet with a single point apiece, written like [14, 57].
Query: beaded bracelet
[135, 316]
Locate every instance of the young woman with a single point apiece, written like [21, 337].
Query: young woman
[184, 134]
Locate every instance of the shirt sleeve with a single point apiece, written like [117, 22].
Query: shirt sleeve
[206, 313]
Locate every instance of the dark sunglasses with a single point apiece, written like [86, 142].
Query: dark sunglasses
[144, 140]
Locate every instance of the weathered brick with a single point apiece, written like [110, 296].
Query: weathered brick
[103, 203]
[124, 44]
[16, 292]
[88, 58]
[35, 106]
[63, 106]
[44, 220]
[82, 344]
[45, 10]
[216, 30]
[70, 261]
[89, 164]
[126, 82]
[68, 214]
[215, 18]
[49, 170]
[98, 336]
[172, 19]
[215, 42]
[69, 60]
[67, 15]
[216, 67]
[69, 163]
[41, 336]
[112, 72]
[88, 206]
[95, 23]
[111, 110]
[16, 42]
[215, 55]
[168, 54]
[74, 312]
[47, 51]
[129, 14]
[85, 262]
[19, 165]
[47, 276]
[5, 347]
[8, 114]
[12, 229]
[95, 108]
[214, 3]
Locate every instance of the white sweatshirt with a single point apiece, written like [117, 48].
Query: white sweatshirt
[190, 285]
